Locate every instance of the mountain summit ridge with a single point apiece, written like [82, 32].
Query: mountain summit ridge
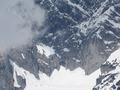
[75, 34]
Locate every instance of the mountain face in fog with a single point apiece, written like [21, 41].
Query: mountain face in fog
[17, 19]
[48, 34]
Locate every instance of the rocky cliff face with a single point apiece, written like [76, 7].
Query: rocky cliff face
[6, 75]
[88, 29]
[110, 73]
[82, 33]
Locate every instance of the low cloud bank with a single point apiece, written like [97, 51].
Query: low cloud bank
[17, 18]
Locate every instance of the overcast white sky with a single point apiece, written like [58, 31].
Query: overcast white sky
[16, 20]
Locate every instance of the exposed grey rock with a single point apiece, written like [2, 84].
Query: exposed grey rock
[6, 75]
[88, 34]
[21, 82]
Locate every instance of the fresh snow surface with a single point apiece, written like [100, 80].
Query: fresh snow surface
[66, 50]
[59, 80]
[15, 80]
[113, 59]
[45, 50]
[114, 56]
[22, 55]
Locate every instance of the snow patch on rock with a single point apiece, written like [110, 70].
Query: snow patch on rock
[60, 80]
[45, 50]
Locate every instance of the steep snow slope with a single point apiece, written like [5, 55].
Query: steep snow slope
[82, 33]
[64, 79]
[45, 50]
[59, 80]
[110, 78]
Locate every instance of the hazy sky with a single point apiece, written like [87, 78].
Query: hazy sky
[16, 20]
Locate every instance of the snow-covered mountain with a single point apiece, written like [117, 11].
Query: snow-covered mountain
[109, 78]
[68, 49]
[88, 29]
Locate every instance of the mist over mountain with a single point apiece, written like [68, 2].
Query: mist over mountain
[17, 18]
[59, 44]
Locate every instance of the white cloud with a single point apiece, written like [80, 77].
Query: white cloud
[17, 18]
